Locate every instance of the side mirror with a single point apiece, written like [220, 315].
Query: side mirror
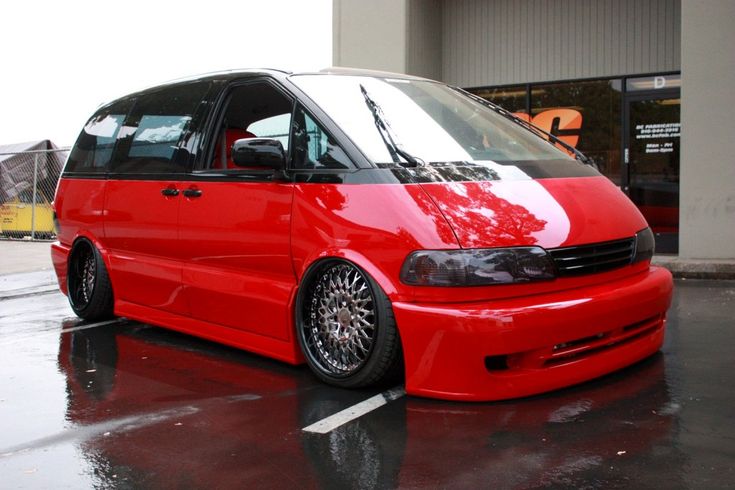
[259, 152]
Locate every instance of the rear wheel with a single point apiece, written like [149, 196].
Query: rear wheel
[90, 291]
[346, 327]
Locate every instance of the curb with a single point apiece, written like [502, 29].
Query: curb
[24, 293]
[696, 268]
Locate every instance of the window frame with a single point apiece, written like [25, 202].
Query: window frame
[352, 168]
[201, 165]
[359, 160]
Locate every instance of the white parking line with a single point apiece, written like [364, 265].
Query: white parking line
[27, 292]
[92, 325]
[25, 337]
[355, 411]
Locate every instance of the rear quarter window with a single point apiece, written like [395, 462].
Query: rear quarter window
[93, 149]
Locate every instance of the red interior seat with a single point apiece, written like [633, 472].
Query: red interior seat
[231, 135]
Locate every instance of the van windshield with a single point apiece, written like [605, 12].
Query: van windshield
[416, 121]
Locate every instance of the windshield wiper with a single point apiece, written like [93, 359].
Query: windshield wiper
[531, 127]
[384, 129]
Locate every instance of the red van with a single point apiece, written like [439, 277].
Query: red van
[369, 224]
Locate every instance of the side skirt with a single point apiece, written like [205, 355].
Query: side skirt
[267, 346]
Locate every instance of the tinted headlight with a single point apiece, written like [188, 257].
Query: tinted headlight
[478, 267]
[644, 245]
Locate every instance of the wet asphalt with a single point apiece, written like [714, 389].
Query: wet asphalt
[128, 405]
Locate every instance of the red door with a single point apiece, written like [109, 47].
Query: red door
[234, 240]
[141, 233]
[143, 197]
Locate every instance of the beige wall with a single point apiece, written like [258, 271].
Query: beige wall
[403, 36]
[494, 42]
[370, 34]
[425, 38]
[707, 199]
[498, 42]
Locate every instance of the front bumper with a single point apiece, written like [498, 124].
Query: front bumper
[524, 346]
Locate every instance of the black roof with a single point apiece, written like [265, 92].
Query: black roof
[227, 75]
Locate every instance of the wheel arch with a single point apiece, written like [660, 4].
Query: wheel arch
[84, 236]
[313, 263]
[309, 271]
[91, 238]
[99, 301]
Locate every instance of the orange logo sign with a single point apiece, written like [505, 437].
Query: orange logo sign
[562, 123]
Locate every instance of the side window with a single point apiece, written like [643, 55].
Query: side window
[313, 148]
[93, 149]
[275, 127]
[157, 136]
[254, 110]
[150, 139]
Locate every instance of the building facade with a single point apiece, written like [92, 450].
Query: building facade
[617, 79]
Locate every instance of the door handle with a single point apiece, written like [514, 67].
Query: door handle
[170, 192]
[192, 193]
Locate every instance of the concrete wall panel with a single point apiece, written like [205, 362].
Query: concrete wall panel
[424, 38]
[707, 199]
[370, 34]
[541, 40]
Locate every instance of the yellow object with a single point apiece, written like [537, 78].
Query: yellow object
[16, 218]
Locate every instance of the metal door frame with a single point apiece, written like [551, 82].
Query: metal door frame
[628, 97]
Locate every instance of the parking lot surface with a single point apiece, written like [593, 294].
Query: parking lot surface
[127, 405]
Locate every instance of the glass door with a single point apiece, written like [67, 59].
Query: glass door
[652, 142]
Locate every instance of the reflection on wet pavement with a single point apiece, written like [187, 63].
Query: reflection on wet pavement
[130, 405]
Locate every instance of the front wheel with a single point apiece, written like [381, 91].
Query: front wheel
[346, 327]
[90, 291]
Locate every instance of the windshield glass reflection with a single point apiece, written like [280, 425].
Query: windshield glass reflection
[429, 120]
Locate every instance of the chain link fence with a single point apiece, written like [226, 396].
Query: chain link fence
[27, 185]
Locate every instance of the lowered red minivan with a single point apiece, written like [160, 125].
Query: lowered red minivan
[370, 224]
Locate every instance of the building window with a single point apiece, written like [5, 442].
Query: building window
[585, 115]
[509, 98]
[600, 118]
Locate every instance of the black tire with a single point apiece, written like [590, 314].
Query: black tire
[346, 328]
[90, 291]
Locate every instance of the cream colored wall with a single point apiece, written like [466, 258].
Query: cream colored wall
[370, 34]
[707, 198]
[498, 42]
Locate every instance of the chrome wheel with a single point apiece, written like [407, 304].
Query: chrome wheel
[341, 322]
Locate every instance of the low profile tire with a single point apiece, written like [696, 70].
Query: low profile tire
[346, 327]
[90, 291]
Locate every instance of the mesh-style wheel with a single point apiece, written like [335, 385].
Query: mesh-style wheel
[346, 327]
[90, 291]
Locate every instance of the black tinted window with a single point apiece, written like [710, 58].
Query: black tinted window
[313, 147]
[149, 141]
[93, 150]
[254, 110]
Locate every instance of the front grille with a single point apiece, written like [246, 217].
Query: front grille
[596, 257]
[575, 349]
